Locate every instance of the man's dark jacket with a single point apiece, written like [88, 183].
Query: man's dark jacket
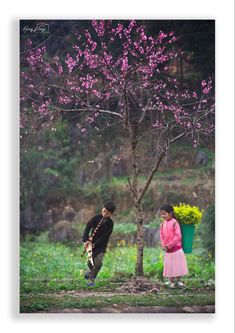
[102, 235]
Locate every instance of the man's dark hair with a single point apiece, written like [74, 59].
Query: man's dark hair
[110, 206]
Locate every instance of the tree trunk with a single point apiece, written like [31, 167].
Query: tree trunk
[140, 239]
[138, 203]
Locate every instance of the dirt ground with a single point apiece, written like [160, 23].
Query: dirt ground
[139, 309]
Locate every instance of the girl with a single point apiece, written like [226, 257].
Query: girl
[175, 264]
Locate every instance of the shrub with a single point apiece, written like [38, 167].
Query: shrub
[207, 230]
[187, 214]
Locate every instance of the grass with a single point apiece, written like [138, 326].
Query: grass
[124, 228]
[48, 267]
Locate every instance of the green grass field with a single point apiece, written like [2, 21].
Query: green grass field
[47, 270]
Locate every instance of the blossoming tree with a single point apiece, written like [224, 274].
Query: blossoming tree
[117, 71]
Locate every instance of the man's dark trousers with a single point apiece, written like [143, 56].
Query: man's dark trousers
[94, 270]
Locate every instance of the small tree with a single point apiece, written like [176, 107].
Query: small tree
[118, 72]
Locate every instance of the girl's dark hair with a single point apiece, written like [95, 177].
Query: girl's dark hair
[110, 206]
[169, 209]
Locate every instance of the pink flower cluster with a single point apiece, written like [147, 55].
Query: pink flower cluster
[58, 65]
[70, 62]
[124, 65]
[207, 86]
[91, 60]
[43, 108]
[25, 76]
[91, 118]
[89, 41]
[64, 99]
[99, 27]
[88, 81]
[60, 69]
[35, 57]
[96, 93]
[47, 69]
[158, 125]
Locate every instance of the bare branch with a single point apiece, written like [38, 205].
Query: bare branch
[158, 161]
[132, 187]
[36, 47]
[111, 113]
[178, 137]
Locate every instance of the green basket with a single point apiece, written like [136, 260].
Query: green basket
[187, 231]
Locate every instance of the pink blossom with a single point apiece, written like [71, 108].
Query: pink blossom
[207, 87]
[99, 27]
[143, 36]
[93, 46]
[47, 69]
[64, 99]
[124, 66]
[29, 43]
[158, 125]
[119, 28]
[43, 109]
[84, 130]
[91, 60]
[131, 25]
[70, 63]
[195, 143]
[60, 69]
[35, 57]
[161, 36]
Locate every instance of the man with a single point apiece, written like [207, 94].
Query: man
[101, 227]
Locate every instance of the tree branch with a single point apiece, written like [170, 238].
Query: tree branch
[157, 164]
[36, 47]
[111, 113]
[158, 161]
[132, 187]
[178, 137]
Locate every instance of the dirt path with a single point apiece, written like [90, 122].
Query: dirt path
[137, 296]
[85, 293]
[123, 308]
[139, 309]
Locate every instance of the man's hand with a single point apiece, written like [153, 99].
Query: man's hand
[86, 244]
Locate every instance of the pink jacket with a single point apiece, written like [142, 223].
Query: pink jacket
[170, 234]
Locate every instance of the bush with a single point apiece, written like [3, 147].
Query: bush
[207, 230]
[48, 173]
[187, 214]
